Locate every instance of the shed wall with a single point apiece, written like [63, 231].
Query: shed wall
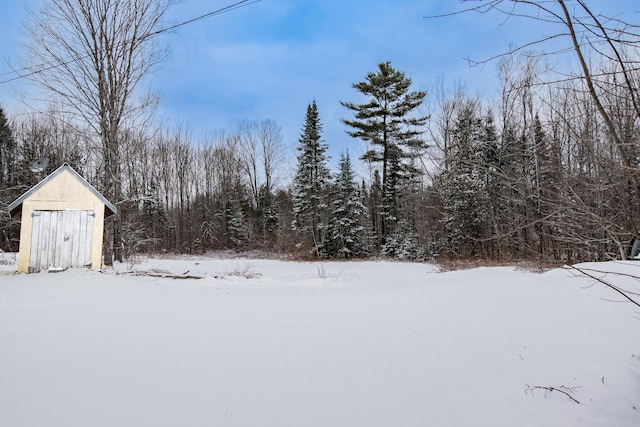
[64, 191]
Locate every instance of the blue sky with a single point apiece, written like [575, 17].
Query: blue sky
[270, 59]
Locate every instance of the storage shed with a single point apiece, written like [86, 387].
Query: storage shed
[62, 223]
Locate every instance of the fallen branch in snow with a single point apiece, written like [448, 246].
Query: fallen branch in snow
[172, 276]
[164, 274]
[567, 391]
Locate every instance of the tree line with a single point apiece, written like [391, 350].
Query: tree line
[534, 176]
[546, 172]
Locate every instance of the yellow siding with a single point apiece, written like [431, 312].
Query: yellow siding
[64, 191]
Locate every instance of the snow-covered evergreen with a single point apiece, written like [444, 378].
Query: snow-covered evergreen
[463, 185]
[404, 243]
[390, 122]
[268, 220]
[311, 184]
[236, 222]
[346, 236]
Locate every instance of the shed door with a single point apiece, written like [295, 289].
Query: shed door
[61, 239]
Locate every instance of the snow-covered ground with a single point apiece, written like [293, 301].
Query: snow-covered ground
[315, 344]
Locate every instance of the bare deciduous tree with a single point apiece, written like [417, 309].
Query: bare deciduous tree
[605, 51]
[93, 55]
[261, 154]
[261, 151]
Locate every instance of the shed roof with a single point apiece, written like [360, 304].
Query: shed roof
[16, 206]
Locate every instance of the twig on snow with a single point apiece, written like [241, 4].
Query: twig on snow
[567, 391]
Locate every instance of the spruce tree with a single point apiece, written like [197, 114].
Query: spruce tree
[464, 187]
[346, 237]
[236, 224]
[387, 121]
[311, 184]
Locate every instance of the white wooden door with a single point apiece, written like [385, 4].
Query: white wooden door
[61, 239]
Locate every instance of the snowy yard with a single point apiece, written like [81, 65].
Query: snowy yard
[315, 344]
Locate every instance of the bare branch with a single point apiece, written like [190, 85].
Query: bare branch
[567, 391]
[586, 273]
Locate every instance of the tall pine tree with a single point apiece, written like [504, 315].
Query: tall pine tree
[311, 184]
[387, 121]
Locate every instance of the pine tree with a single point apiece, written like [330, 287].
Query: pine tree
[346, 236]
[403, 242]
[311, 184]
[387, 122]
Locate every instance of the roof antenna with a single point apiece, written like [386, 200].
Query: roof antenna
[39, 165]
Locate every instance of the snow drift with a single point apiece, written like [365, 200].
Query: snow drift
[275, 343]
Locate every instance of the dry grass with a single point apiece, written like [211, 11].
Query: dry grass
[245, 269]
[538, 266]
